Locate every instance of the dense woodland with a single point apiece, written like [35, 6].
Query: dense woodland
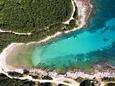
[5, 81]
[40, 17]
[32, 15]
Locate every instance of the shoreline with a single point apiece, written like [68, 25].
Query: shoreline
[81, 12]
[85, 7]
[3, 55]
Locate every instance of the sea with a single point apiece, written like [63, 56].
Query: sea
[84, 48]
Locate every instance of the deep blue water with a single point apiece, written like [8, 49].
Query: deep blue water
[81, 49]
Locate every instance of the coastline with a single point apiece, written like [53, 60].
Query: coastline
[83, 20]
[85, 7]
[82, 13]
[3, 55]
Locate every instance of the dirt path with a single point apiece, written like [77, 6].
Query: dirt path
[8, 31]
[67, 21]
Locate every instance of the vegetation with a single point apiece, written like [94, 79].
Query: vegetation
[108, 79]
[47, 77]
[26, 72]
[79, 79]
[40, 17]
[5, 81]
[110, 84]
[32, 15]
[76, 13]
[45, 84]
[7, 38]
[35, 76]
[15, 74]
[89, 83]
[62, 85]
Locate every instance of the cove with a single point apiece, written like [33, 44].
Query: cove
[75, 50]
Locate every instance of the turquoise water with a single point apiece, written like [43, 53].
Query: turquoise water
[83, 48]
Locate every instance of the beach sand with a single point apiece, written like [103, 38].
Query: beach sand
[19, 57]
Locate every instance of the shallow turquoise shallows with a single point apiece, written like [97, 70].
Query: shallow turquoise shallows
[81, 49]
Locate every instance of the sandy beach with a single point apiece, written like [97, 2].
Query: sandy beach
[20, 57]
[4, 54]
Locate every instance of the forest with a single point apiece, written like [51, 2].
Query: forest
[32, 15]
[40, 17]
